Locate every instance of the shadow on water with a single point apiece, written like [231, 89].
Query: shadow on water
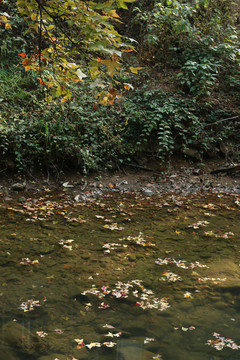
[120, 278]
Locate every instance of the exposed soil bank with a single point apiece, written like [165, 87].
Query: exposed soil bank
[181, 177]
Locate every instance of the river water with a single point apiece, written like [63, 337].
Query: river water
[124, 277]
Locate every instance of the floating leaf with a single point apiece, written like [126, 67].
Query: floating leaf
[109, 344]
[41, 333]
[93, 344]
[108, 326]
[221, 342]
[148, 340]
[113, 335]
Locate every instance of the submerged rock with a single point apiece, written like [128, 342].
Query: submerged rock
[54, 356]
[132, 257]
[225, 268]
[46, 248]
[132, 350]
[229, 272]
[80, 354]
[20, 339]
[85, 256]
[7, 354]
[135, 326]
[22, 200]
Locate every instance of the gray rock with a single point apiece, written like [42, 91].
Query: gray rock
[196, 171]
[22, 200]
[18, 186]
[192, 154]
[148, 192]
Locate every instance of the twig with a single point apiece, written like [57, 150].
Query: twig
[57, 23]
[216, 122]
[229, 169]
[138, 166]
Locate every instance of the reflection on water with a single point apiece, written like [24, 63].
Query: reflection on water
[120, 278]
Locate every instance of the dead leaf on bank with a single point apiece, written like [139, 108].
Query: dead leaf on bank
[67, 185]
[111, 186]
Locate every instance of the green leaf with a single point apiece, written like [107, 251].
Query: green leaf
[58, 91]
[122, 3]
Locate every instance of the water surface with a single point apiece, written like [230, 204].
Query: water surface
[124, 277]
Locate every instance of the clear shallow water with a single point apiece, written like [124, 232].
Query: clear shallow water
[121, 277]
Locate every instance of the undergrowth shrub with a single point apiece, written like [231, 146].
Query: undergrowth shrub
[199, 40]
[85, 135]
[159, 122]
[19, 91]
[80, 135]
[16, 39]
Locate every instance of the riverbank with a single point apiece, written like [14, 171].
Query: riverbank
[179, 177]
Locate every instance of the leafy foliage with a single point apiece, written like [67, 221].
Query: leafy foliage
[161, 123]
[86, 135]
[193, 45]
[71, 40]
[200, 38]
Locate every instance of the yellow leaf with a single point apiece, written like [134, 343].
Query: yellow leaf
[33, 17]
[49, 98]
[134, 70]
[36, 27]
[64, 99]
[26, 61]
[49, 84]
[7, 26]
[128, 86]
[121, 3]
[94, 71]
[111, 66]
[28, 68]
[4, 19]
[51, 27]
[59, 91]
[104, 100]
[113, 13]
